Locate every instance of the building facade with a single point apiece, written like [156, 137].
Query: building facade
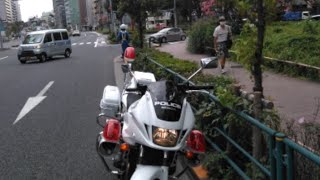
[90, 14]
[83, 13]
[18, 11]
[3, 15]
[10, 11]
[60, 13]
[72, 14]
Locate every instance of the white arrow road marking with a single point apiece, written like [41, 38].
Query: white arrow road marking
[32, 102]
[3, 58]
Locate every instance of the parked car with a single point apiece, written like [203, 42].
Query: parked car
[76, 33]
[45, 44]
[315, 17]
[168, 34]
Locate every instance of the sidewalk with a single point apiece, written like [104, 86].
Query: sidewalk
[11, 44]
[294, 98]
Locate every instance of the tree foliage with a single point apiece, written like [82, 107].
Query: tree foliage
[138, 10]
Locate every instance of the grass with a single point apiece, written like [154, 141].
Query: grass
[294, 41]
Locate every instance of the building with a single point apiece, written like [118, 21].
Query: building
[8, 11]
[72, 14]
[3, 16]
[83, 14]
[60, 13]
[90, 15]
[159, 22]
[47, 19]
[98, 12]
[18, 11]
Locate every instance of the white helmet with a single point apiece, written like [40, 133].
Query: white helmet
[123, 27]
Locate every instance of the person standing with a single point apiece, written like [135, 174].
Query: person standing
[221, 34]
[123, 36]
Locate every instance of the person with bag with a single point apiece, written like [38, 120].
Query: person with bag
[222, 42]
[123, 36]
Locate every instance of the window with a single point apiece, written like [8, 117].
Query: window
[176, 30]
[33, 39]
[65, 35]
[47, 38]
[57, 36]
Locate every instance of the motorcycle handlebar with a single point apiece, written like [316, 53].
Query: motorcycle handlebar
[195, 87]
[185, 87]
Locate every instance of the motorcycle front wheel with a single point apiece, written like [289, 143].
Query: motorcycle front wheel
[132, 158]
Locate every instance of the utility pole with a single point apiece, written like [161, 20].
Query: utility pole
[1, 28]
[175, 13]
[257, 137]
[1, 45]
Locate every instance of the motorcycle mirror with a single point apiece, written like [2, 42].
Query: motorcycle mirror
[209, 62]
[125, 68]
[101, 119]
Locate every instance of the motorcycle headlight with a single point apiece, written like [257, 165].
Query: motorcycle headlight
[165, 137]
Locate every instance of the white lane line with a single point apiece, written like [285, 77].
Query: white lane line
[88, 42]
[85, 35]
[3, 58]
[74, 44]
[32, 102]
[103, 42]
[81, 43]
[96, 43]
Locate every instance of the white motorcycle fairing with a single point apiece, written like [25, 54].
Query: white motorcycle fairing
[141, 118]
[145, 172]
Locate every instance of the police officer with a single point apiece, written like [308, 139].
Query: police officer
[123, 36]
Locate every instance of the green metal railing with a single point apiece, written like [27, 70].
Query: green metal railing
[281, 148]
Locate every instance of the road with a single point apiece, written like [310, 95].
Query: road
[55, 139]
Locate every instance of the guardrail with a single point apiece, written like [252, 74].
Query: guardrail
[281, 149]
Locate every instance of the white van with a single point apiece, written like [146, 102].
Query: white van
[45, 44]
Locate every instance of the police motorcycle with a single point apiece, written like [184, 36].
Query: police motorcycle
[149, 125]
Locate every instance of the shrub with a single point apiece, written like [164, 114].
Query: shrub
[105, 31]
[201, 35]
[113, 38]
[135, 38]
[210, 114]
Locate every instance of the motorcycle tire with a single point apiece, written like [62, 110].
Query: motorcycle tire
[132, 164]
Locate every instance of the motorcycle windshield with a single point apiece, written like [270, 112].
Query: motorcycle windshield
[167, 100]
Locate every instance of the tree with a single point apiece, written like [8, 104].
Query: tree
[139, 10]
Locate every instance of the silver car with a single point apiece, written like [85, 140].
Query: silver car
[168, 34]
[45, 44]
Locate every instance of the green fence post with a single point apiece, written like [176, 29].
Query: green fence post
[272, 159]
[289, 163]
[279, 153]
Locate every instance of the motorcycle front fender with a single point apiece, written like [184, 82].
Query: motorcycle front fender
[145, 172]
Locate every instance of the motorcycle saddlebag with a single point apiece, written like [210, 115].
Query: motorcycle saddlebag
[110, 102]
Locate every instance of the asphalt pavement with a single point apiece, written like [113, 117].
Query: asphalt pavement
[57, 100]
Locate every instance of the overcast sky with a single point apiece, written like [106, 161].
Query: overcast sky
[31, 8]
